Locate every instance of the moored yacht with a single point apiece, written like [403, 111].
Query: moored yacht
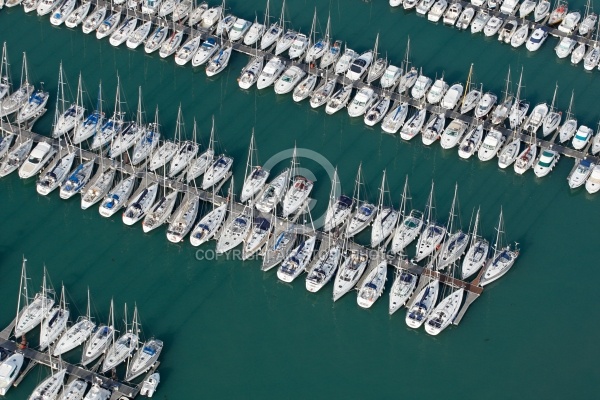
[144, 358]
[77, 179]
[485, 105]
[509, 153]
[140, 203]
[453, 133]
[208, 226]
[545, 163]
[217, 172]
[41, 154]
[49, 387]
[349, 273]
[56, 174]
[219, 61]
[251, 72]
[270, 72]
[444, 313]
[183, 218]
[580, 173]
[401, 290]
[423, 304]
[15, 157]
[471, 142]
[491, 145]
[394, 120]
[592, 184]
[414, 124]
[363, 100]
[257, 237]
[323, 267]
[117, 197]
[373, 284]
[289, 79]
[234, 231]
[9, 370]
[160, 211]
[297, 260]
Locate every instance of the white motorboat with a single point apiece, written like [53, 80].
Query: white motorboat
[257, 237]
[217, 172]
[588, 24]
[437, 91]
[9, 370]
[452, 96]
[296, 195]
[41, 154]
[422, 305]
[140, 204]
[592, 184]
[63, 12]
[186, 52]
[526, 159]
[437, 10]
[409, 4]
[403, 287]
[349, 273]
[49, 387]
[377, 111]
[74, 390]
[117, 197]
[596, 144]
[452, 13]
[305, 88]
[480, 21]
[273, 193]
[78, 15]
[471, 142]
[297, 260]
[570, 22]
[537, 117]
[580, 174]
[150, 384]
[545, 163]
[208, 48]
[420, 87]
[559, 13]
[97, 393]
[477, 254]
[219, 61]
[492, 26]
[520, 36]
[239, 29]
[323, 267]
[470, 101]
[509, 153]
[56, 174]
[54, 323]
[251, 72]
[424, 6]
[196, 14]
[285, 42]
[491, 145]
[270, 72]
[485, 105]
[338, 100]
[465, 18]
[394, 120]
[160, 211]
[363, 100]
[156, 39]
[183, 218]
[288, 80]
[171, 45]
[108, 26]
[359, 66]
[508, 30]
[565, 47]
[502, 260]
[373, 285]
[208, 226]
[433, 129]
[414, 124]
[445, 312]
[582, 137]
[509, 7]
[98, 187]
[390, 77]
[123, 33]
[453, 133]
[33, 107]
[211, 17]
[15, 158]
[578, 53]
[46, 6]
[528, 6]
[144, 358]
[537, 38]
[77, 179]
[343, 63]
[298, 46]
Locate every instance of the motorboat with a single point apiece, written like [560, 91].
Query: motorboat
[394, 120]
[77, 179]
[251, 72]
[186, 52]
[144, 358]
[559, 13]
[93, 21]
[470, 101]
[273, 193]
[452, 96]
[509, 7]
[453, 133]
[56, 174]
[156, 39]
[150, 384]
[181, 11]
[570, 22]
[359, 66]
[526, 159]
[536, 118]
[480, 21]
[349, 272]
[288, 80]
[41, 154]
[296, 195]
[78, 15]
[47, 6]
[422, 305]
[408, 80]
[234, 231]
[492, 26]
[517, 114]
[257, 237]
[15, 157]
[182, 220]
[9, 370]
[588, 24]
[373, 285]
[471, 142]
[117, 197]
[160, 211]
[452, 13]
[578, 53]
[208, 226]
[108, 26]
[437, 91]
[567, 130]
[208, 48]
[97, 393]
[437, 10]
[63, 12]
[140, 204]
[551, 122]
[270, 72]
[580, 174]
[224, 25]
[338, 100]
[32, 108]
[403, 287]
[582, 137]
[195, 15]
[363, 100]
[595, 144]
[298, 46]
[217, 172]
[124, 31]
[545, 163]
[390, 77]
[297, 260]
[377, 111]
[49, 387]
[323, 268]
[485, 105]
[537, 38]
[239, 29]
[565, 47]
[211, 17]
[345, 61]
[509, 153]
[542, 10]
[508, 30]
[414, 124]
[491, 145]
[171, 45]
[592, 184]
[409, 4]
[433, 129]
[466, 16]
[424, 6]
[219, 61]
[520, 36]
[305, 88]
[98, 187]
[445, 312]
[420, 87]
[332, 55]
[501, 111]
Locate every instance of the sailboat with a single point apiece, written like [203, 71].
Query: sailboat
[77, 179]
[113, 126]
[74, 390]
[501, 112]
[298, 192]
[553, 119]
[256, 30]
[144, 358]
[140, 202]
[16, 157]
[99, 186]
[279, 245]
[377, 67]
[55, 322]
[339, 209]
[144, 147]
[297, 260]
[373, 284]
[434, 233]
[272, 194]
[209, 225]
[386, 218]
[49, 387]
[71, 117]
[410, 225]
[55, 174]
[456, 244]
[200, 164]
[125, 139]
[274, 32]
[5, 81]
[124, 346]
[161, 210]
[186, 152]
[401, 290]
[477, 254]
[183, 218]
[117, 197]
[445, 312]
[302, 42]
[503, 258]
[519, 108]
[527, 157]
[12, 102]
[256, 176]
[568, 129]
[324, 266]
[33, 311]
[286, 40]
[349, 272]
[365, 211]
[100, 340]
[9, 371]
[423, 304]
[77, 334]
[235, 229]
[257, 237]
[321, 46]
[92, 123]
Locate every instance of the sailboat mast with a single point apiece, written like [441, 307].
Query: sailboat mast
[569, 115]
[451, 221]
[498, 233]
[22, 289]
[554, 97]
[381, 191]
[138, 118]
[249, 159]
[430, 204]
[24, 72]
[357, 185]
[403, 201]
[89, 310]
[282, 16]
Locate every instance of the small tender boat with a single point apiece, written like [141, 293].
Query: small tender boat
[150, 384]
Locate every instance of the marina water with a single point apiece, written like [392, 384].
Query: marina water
[231, 330]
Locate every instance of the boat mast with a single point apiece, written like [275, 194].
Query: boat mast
[506, 91]
[468, 84]
[554, 97]
[293, 167]
[22, 290]
[518, 96]
[374, 53]
[313, 33]
[381, 192]
[249, 166]
[282, 16]
[475, 227]
[356, 193]
[569, 115]
[138, 118]
[63, 303]
[327, 30]
[266, 24]
[452, 208]
[211, 141]
[430, 206]
[24, 72]
[334, 183]
[4, 69]
[88, 311]
[498, 244]
[405, 195]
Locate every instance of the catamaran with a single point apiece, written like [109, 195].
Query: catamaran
[77, 179]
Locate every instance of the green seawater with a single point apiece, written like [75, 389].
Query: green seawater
[232, 331]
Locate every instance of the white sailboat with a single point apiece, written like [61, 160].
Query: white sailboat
[297, 260]
[55, 322]
[93, 122]
[256, 30]
[49, 387]
[71, 117]
[33, 311]
[321, 46]
[457, 241]
[423, 304]
[74, 390]
[257, 237]
[509, 152]
[272, 194]
[186, 152]
[98, 187]
[431, 238]
[140, 203]
[117, 197]
[401, 290]
[527, 157]
[15, 157]
[298, 192]
[279, 245]
[373, 284]
[553, 119]
[365, 211]
[235, 230]
[477, 254]
[13, 101]
[125, 139]
[77, 334]
[144, 358]
[501, 111]
[183, 218]
[339, 209]
[324, 266]
[568, 129]
[349, 272]
[502, 260]
[444, 313]
[144, 147]
[519, 109]
[124, 346]
[113, 126]
[77, 179]
[409, 226]
[255, 176]
[209, 225]
[101, 338]
[55, 174]
[386, 218]
[275, 30]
